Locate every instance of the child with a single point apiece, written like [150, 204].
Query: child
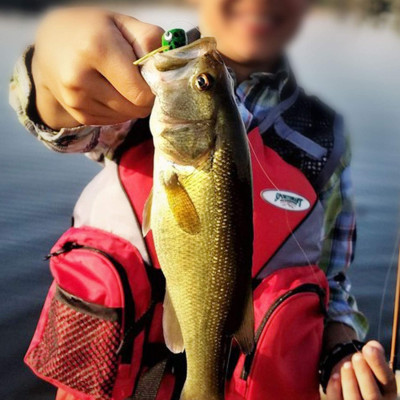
[77, 91]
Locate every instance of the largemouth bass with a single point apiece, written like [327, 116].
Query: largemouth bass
[200, 212]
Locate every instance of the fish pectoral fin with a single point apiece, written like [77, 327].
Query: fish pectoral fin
[181, 205]
[146, 223]
[245, 334]
[171, 328]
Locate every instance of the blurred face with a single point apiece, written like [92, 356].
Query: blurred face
[251, 32]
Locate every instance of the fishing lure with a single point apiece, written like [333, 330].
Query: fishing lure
[170, 40]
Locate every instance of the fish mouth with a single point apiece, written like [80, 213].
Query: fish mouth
[181, 56]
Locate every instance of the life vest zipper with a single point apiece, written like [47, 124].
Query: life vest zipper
[305, 288]
[126, 346]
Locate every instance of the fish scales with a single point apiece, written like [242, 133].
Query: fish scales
[207, 262]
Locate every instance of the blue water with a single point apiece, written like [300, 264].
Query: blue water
[355, 67]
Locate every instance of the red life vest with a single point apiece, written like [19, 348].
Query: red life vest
[91, 347]
[290, 300]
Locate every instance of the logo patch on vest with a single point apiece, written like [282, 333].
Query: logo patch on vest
[287, 200]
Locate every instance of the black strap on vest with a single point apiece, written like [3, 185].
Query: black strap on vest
[159, 361]
[273, 118]
[149, 383]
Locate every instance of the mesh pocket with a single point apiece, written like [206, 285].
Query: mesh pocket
[79, 346]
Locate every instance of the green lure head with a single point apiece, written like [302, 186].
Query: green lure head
[170, 40]
[174, 38]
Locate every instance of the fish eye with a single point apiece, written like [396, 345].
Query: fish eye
[204, 81]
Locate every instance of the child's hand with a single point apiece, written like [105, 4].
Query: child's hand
[82, 67]
[363, 376]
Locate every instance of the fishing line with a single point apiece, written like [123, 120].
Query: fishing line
[260, 165]
[292, 233]
[389, 270]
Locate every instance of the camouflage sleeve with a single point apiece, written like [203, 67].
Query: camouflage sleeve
[338, 247]
[96, 141]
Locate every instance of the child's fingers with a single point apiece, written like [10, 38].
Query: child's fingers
[141, 36]
[374, 354]
[350, 388]
[334, 389]
[87, 109]
[366, 381]
[107, 95]
[95, 114]
[114, 62]
[92, 87]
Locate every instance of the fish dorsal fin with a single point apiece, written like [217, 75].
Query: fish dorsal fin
[146, 223]
[171, 328]
[181, 205]
[245, 334]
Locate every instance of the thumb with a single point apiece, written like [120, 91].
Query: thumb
[141, 36]
[128, 40]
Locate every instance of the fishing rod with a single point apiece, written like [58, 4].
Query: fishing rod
[395, 328]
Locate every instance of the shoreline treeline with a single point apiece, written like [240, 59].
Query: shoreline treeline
[365, 7]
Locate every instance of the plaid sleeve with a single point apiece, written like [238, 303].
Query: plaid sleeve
[97, 141]
[338, 247]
